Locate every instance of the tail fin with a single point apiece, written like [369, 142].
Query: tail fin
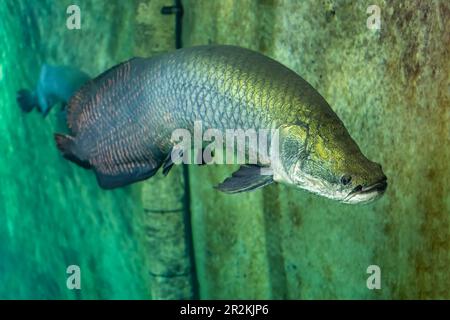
[66, 145]
[27, 100]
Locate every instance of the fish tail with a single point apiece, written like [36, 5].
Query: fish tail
[66, 145]
[27, 100]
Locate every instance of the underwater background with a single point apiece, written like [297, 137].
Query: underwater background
[177, 237]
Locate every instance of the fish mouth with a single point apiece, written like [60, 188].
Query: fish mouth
[367, 193]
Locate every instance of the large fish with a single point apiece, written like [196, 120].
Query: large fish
[122, 122]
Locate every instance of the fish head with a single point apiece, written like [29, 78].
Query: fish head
[325, 160]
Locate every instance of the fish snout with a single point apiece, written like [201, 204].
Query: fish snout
[367, 193]
[380, 186]
[377, 180]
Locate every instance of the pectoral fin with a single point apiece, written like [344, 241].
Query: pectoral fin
[167, 165]
[247, 178]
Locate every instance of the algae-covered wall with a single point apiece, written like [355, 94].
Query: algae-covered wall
[391, 89]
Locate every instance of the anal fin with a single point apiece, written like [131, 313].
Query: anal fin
[121, 179]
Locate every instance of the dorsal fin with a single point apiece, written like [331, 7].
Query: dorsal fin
[87, 93]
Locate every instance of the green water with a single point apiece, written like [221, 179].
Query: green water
[52, 214]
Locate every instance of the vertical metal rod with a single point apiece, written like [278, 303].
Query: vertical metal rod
[176, 9]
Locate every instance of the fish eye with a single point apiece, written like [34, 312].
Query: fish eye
[345, 179]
